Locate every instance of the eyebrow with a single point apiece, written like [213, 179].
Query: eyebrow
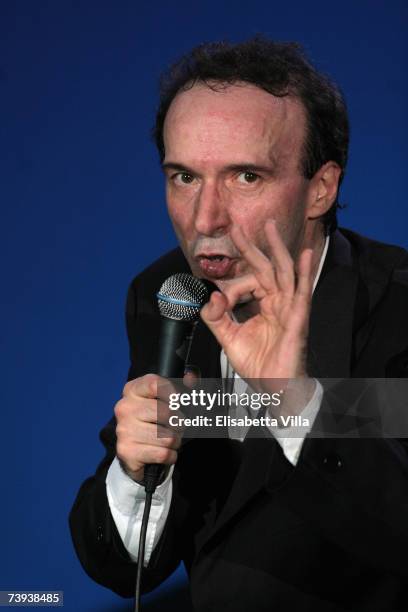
[175, 166]
[241, 167]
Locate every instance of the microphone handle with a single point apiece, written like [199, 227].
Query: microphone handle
[174, 347]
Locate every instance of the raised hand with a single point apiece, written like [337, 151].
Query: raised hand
[272, 343]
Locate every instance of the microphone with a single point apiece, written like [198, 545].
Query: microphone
[180, 300]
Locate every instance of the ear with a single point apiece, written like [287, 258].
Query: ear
[323, 189]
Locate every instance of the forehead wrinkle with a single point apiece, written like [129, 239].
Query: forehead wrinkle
[190, 102]
[274, 123]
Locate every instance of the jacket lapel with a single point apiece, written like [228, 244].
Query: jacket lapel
[257, 458]
[331, 319]
[205, 352]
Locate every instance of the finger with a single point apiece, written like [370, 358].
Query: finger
[192, 376]
[149, 433]
[303, 295]
[283, 262]
[215, 316]
[168, 436]
[260, 264]
[168, 388]
[305, 278]
[146, 454]
[244, 288]
[158, 412]
[133, 412]
[145, 386]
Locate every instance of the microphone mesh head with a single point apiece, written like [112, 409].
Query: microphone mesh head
[181, 297]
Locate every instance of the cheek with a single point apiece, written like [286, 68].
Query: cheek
[181, 218]
[252, 214]
[285, 205]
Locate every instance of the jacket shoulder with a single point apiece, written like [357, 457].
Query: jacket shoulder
[151, 278]
[383, 292]
[389, 259]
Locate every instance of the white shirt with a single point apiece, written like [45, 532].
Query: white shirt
[126, 497]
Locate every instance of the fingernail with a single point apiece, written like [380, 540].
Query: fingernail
[192, 369]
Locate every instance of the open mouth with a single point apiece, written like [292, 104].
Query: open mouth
[215, 257]
[216, 265]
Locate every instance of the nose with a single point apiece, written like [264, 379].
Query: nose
[211, 211]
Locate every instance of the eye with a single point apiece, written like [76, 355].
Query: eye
[183, 178]
[247, 177]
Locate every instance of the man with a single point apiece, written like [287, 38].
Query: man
[253, 143]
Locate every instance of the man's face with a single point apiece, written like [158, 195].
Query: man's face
[232, 157]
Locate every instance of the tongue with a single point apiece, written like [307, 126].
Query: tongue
[215, 268]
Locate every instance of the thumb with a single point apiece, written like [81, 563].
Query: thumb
[192, 375]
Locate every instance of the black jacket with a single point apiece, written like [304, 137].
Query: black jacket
[254, 532]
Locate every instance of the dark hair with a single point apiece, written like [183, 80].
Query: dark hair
[282, 70]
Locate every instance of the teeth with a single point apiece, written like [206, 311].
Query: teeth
[216, 257]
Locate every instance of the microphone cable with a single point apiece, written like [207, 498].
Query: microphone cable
[152, 476]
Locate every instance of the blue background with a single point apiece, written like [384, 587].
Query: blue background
[83, 211]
